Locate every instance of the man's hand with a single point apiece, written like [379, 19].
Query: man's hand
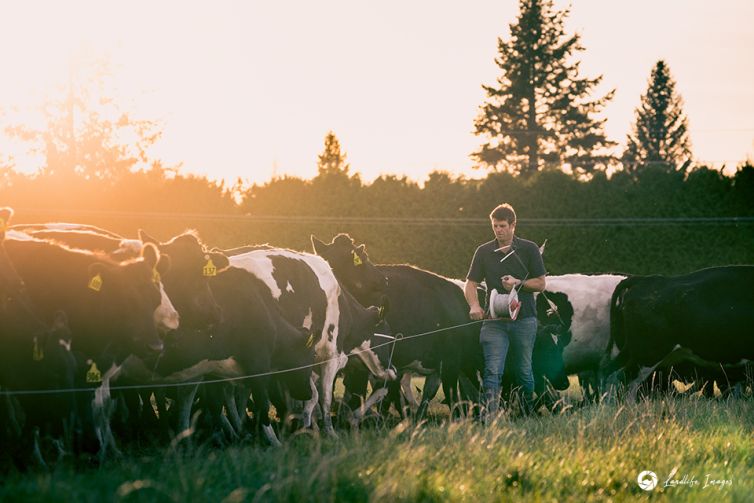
[509, 282]
[476, 313]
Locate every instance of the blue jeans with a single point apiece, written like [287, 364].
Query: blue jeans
[496, 337]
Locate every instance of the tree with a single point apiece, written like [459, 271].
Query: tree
[540, 113]
[332, 161]
[86, 134]
[659, 135]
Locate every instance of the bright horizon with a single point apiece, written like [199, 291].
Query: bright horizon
[249, 89]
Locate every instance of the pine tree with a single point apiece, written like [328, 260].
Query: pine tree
[659, 135]
[540, 113]
[332, 161]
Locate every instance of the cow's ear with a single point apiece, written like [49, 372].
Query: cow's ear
[146, 238]
[220, 260]
[163, 265]
[564, 339]
[361, 248]
[151, 255]
[320, 248]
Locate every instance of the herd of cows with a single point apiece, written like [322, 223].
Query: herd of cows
[106, 337]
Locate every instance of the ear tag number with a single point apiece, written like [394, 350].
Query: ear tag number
[310, 341]
[209, 269]
[93, 375]
[96, 283]
[37, 353]
[356, 259]
[155, 276]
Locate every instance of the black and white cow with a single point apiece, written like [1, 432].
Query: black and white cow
[704, 318]
[310, 297]
[580, 303]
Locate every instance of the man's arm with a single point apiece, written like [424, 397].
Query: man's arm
[470, 292]
[537, 284]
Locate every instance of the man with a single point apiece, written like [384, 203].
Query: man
[505, 263]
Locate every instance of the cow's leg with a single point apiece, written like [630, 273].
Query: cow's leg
[431, 386]
[374, 398]
[372, 362]
[327, 383]
[312, 402]
[102, 409]
[231, 408]
[184, 402]
[408, 392]
[261, 409]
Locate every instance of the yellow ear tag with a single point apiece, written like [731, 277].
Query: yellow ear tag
[155, 276]
[310, 341]
[93, 374]
[3, 227]
[381, 312]
[37, 353]
[209, 269]
[356, 259]
[96, 283]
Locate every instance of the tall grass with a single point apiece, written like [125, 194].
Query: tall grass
[589, 454]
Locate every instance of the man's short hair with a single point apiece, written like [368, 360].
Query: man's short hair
[504, 212]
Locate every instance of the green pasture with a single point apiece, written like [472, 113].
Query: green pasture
[593, 453]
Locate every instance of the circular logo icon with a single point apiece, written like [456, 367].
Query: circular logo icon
[647, 480]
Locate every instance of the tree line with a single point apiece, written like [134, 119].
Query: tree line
[543, 144]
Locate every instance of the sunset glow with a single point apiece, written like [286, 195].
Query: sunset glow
[249, 89]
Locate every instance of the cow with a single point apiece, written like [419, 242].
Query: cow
[105, 300]
[252, 338]
[310, 297]
[703, 319]
[581, 304]
[187, 284]
[35, 356]
[420, 302]
[166, 317]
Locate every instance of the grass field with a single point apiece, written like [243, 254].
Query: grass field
[589, 454]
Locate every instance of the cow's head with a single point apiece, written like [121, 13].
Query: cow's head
[187, 282]
[554, 308]
[125, 296]
[352, 267]
[547, 359]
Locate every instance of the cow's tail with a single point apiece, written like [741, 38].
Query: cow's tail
[617, 337]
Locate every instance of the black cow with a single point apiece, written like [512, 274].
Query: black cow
[33, 357]
[166, 317]
[311, 298]
[191, 266]
[110, 305]
[253, 338]
[420, 302]
[704, 318]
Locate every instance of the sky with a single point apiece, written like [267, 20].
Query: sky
[249, 89]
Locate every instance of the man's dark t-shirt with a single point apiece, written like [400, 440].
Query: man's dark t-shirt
[524, 263]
